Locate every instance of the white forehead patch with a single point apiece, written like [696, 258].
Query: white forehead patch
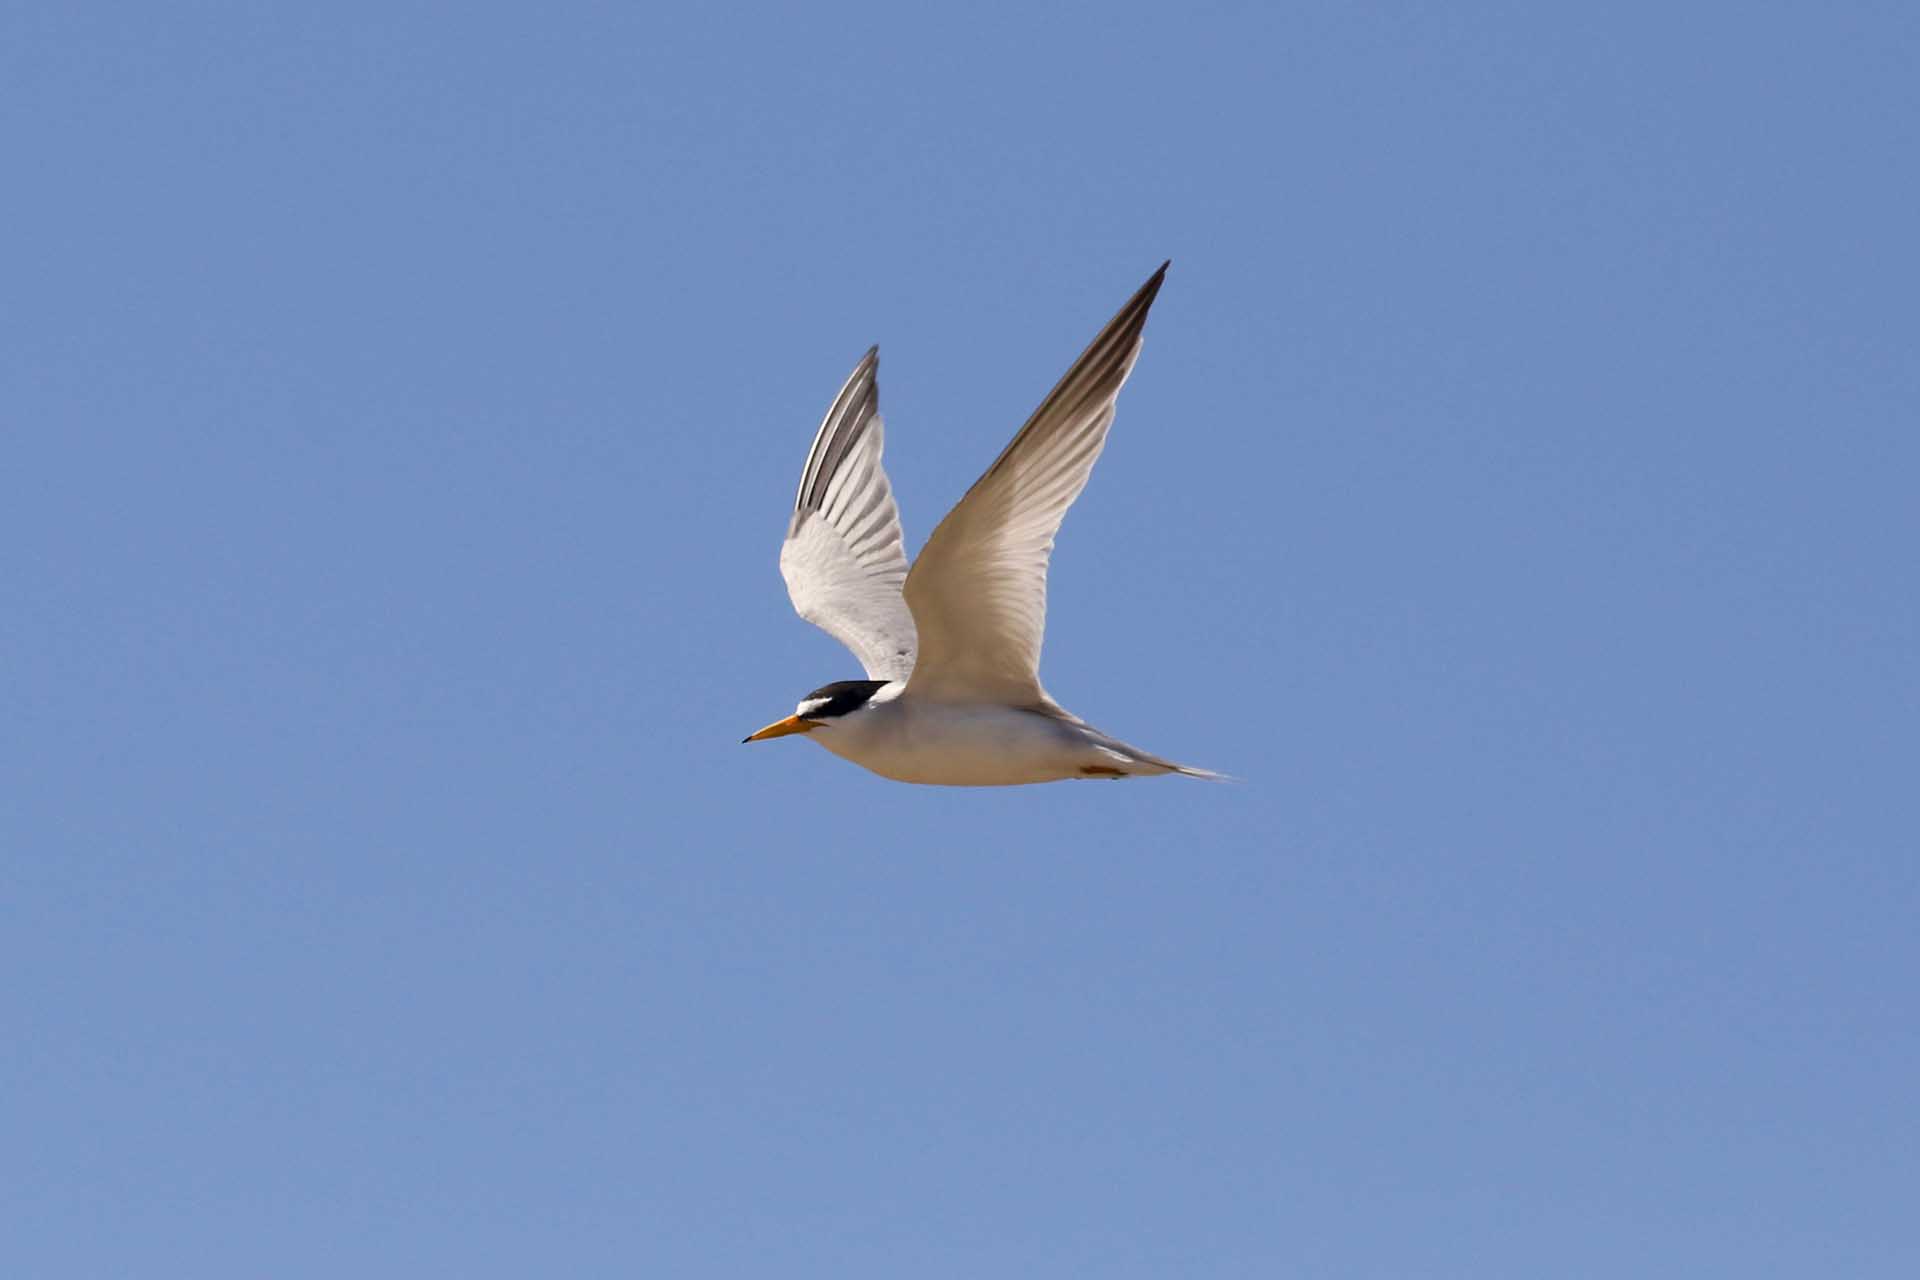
[810, 705]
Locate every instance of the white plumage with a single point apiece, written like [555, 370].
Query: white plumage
[951, 646]
[843, 560]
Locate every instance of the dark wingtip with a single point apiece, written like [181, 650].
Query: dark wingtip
[1147, 292]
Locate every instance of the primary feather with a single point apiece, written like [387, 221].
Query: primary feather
[843, 559]
[978, 592]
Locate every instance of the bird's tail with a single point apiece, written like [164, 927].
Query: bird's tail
[1211, 775]
[1137, 763]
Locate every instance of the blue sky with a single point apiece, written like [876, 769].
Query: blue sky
[401, 404]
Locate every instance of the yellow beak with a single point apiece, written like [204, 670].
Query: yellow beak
[781, 728]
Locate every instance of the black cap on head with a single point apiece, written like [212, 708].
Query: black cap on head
[840, 697]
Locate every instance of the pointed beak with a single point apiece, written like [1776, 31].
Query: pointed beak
[781, 728]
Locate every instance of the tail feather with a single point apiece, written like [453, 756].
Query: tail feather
[1129, 761]
[1210, 775]
[1156, 764]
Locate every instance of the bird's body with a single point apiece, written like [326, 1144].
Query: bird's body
[952, 648]
[979, 744]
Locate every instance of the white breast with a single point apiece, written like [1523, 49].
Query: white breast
[970, 745]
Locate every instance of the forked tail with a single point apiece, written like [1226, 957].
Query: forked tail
[1131, 762]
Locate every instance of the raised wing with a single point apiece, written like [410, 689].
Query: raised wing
[978, 592]
[842, 559]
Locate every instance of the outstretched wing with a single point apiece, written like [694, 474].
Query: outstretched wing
[978, 592]
[842, 559]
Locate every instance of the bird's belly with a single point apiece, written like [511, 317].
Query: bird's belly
[961, 746]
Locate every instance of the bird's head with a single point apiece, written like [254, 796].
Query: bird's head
[822, 707]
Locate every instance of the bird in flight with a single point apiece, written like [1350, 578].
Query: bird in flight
[951, 647]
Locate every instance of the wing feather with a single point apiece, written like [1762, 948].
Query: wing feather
[843, 559]
[978, 591]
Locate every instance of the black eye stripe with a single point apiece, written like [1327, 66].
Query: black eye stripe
[841, 697]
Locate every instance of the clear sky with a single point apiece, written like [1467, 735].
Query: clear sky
[401, 405]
